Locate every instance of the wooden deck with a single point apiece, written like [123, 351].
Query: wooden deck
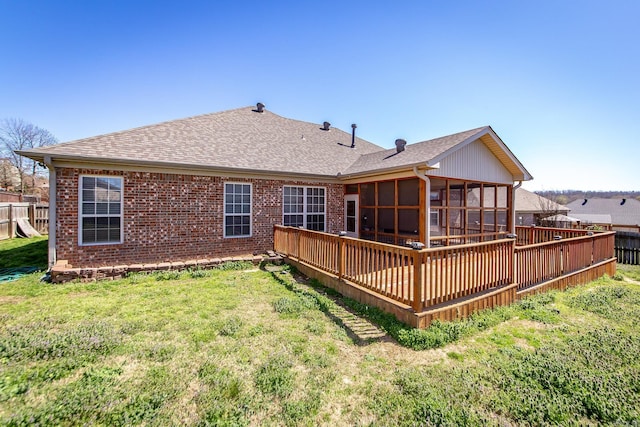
[446, 282]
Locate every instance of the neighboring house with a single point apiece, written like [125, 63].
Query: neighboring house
[215, 185]
[533, 209]
[619, 214]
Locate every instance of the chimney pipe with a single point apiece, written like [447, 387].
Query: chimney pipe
[353, 135]
[259, 107]
[400, 143]
[326, 126]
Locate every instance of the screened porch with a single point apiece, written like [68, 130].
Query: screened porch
[434, 211]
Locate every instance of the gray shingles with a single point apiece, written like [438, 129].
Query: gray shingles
[414, 154]
[245, 140]
[621, 214]
[529, 202]
[239, 139]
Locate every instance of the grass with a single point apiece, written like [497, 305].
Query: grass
[247, 347]
[631, 271]
[24, 252]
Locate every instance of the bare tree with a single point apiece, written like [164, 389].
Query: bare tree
[17, 134]
[9, 177]
[549, 209]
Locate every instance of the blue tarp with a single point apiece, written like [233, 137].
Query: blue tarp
[9, 274]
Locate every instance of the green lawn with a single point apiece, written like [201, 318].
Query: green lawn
[253, 347]
[24, 252]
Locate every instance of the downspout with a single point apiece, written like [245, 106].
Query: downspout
[52, 211]
[513, 208]
[427, 205]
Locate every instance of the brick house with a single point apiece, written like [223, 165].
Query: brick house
[215, 185]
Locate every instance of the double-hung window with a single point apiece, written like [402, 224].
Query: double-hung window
[304, 207]
[100, 210]
[237, 209]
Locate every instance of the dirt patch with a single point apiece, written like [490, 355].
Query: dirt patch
[10, 299]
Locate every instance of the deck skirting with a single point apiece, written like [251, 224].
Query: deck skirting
[456, 309]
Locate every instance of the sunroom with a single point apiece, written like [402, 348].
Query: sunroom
[449, 191]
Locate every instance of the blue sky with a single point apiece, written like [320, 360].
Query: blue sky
[559, 80]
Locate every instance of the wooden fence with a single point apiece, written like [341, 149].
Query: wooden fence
[422, 279]
[37, 215]
[627, 247]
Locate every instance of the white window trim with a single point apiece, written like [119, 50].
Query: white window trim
[304, 208]
[81, 215]
[224, 210]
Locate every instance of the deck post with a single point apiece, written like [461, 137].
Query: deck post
[341, 257]
[298, 235]
[512, 261]
[416, 302]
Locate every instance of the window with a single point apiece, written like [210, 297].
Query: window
[304, 207]
[100, 210]
[237, 210]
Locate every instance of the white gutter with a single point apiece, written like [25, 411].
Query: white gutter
[513, 208]
[52, 210]
[427, 226]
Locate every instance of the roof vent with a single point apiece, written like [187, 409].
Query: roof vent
[623, 202]
[400, 144]
[585, 202]
[326, 125]
[353, 135]
[259, 107]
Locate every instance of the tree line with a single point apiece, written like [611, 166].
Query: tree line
[18, 134]
[567, 196]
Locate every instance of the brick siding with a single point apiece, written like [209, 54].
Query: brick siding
[171, 217]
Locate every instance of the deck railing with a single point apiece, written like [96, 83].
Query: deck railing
[532, 235]
[418, 278]
[382, 268]
[540, 262]
[436, 278]
[458, 271]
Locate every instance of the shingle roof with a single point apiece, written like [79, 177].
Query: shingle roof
[414, 154]
[621, 214]
[594, 218]
[244, 140]
[528, 202]
[235, 139]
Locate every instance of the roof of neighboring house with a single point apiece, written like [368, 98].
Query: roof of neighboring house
[593, 218]
[246, 140]
[627, 213]
[528, 202]
[561, 218]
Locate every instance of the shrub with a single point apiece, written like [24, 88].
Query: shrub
[295, 305]
[231, 326]
[167, 275]
[199, 273]
[275, 377]
[234, 265]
